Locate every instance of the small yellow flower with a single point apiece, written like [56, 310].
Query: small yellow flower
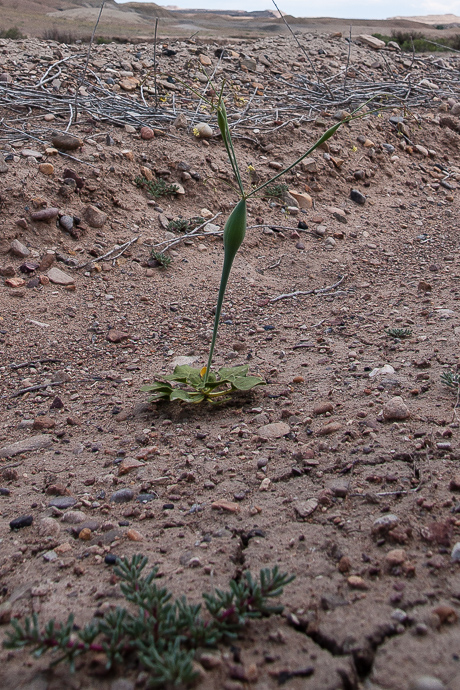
[354, 149]
[196, 131]
[251, 168]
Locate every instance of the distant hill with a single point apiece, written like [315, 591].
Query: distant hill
[434, 19]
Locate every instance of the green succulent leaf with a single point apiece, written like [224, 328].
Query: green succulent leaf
[245, 383]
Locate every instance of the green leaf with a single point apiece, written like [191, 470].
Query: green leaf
[245, 383]
[187, 396]
[230, 373]
[157, 386]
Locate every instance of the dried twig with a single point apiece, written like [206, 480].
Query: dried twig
[317, 291]
[87, 60]
[120, 251]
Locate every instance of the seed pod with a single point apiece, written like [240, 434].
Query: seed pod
[234, 232]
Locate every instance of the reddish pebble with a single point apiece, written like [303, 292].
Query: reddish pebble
[147, 133]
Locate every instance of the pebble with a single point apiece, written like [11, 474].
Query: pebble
[395, 409]
[330, 428]
[66, 142]
[275, 430]
[115, 336]
[147, 133]
[85, 534]
[455, 553]
[122, 496]
[322, 408]
[134, 535]
[46, 168]
[58, 277]
[43, 422]
[146, 498]
[20, 522]
[74, 517]
[111, 559]
[94, 216]
[304, 509]
[19, 249]
[395, 557]
[45, 214]
[228, 506]
[385, 524]
[357, 582]
[26, 446]
[357, 197]
[427, 683]
[203, 130]
[49, 527]
[66, 223]
[62, 502]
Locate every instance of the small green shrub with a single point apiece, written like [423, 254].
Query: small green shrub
[399, 333]
[13, 33]
[154, 631]
[382, 37]
[184, 225]
[451, 380]
[163, 259]
[156, 188]
[275, 191]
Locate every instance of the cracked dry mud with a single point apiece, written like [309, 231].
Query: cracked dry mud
[362, 507]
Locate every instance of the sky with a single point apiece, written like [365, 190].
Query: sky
[351, 9]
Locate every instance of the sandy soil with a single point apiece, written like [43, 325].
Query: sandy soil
[364, 428]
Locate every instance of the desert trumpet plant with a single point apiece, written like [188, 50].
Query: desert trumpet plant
[205, 384]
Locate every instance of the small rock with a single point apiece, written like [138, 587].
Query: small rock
[46, 168]
[384, 524]
[20, 522]
[19, 249]
[372, 41]
[303, 199]
[47, 261]
[322, 408]
[94, 217]
[45, 214]
[128, 465]
[15, 282]
[49, 527]
[114, 336]
[66, 142]
[304, 509]
[203, 131]
[357, 582]
[62, 502]
[427, 683]
[395, 409]
[147, 133]
[58, 277]
[330, 428]
[446, 614]
[6, 610]
[454, 484]
[223, 504]
[357, 197]
[84, 534]
[275, 430]
[122, 496]
[395, 557]
[74, 517]
[455, 553]
[43, 422]
[66, 223]
[26, 446]
[134, 535]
